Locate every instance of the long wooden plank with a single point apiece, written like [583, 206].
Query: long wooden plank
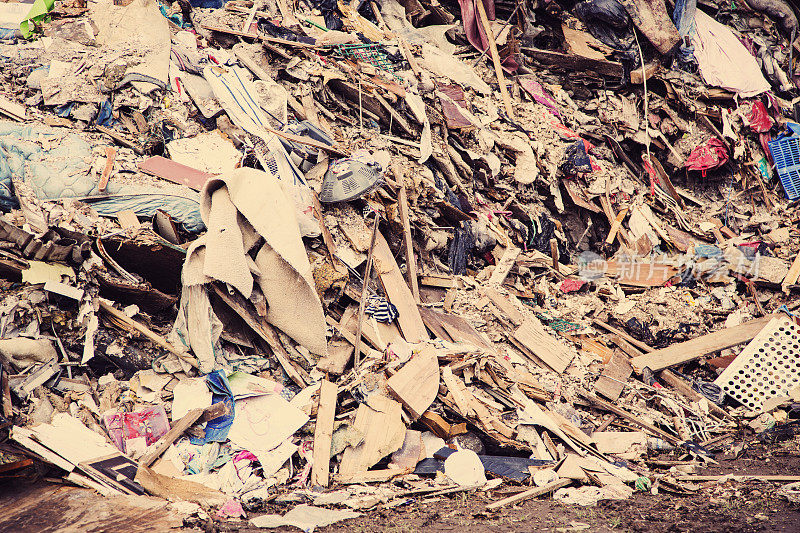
[684, 352]
[674, 381]
[398, 293]
[402, 209]
[530, 493]
[651, 429]
[323, 434]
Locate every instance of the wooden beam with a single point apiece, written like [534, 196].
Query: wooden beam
[402, 209]
[684, 352]
[399, 294]
[323, 434]
[498, 67]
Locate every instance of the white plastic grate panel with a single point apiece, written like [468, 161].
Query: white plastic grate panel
[769, 366]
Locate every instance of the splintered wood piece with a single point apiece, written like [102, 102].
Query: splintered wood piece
[111, 156]
[323, 434]
[398, 293]
[504, 266]
[441, 427]
[264, 330]
[528, 494]
[362, 305]
[649, 428]
[792, 275]
[612, 233]
[379, 419]
[554, 253]
[690, 350]
[532, 335]
[416, 384]
[615, 374]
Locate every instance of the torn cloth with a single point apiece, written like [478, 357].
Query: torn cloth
[253, 244]
[475, 32]
[709, 155]
[723, 59]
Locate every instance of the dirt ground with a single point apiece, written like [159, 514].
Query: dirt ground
[716, 507]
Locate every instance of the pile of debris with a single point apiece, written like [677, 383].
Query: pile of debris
[251, 250]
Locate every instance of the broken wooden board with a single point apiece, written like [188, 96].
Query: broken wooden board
[453, 328]
[640, 274]
[323, 434]
[398, 293]
[584, 44]
[417, 383]
[791, 276]
[12, 109]
[505, 304]
[128, 219]
[504, 266]
[339, 354]
[612, 381]
[458, 391]
[534, 338]
[452, 106]
[379, 419]
[441, 427]
[684, 352]
[559, 61]
[444, 282]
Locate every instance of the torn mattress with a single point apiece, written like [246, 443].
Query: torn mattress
[56, 164]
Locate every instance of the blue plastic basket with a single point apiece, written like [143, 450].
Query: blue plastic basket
[785, 149]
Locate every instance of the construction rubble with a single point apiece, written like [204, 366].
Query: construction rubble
[286, 263]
